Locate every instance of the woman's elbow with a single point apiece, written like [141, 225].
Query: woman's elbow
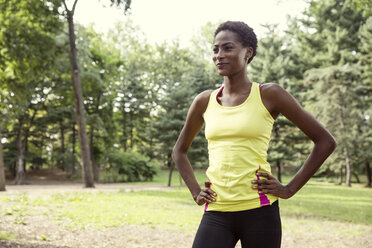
[176, 152]
[331, 143]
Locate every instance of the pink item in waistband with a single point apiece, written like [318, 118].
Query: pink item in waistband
[263, 198]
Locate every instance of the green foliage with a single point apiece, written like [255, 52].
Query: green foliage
[338, 107]
[327, 46]
[134, 166]
[137, 95]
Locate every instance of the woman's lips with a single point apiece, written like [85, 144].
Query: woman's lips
[221, 65]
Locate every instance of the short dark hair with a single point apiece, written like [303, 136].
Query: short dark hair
[246, 35]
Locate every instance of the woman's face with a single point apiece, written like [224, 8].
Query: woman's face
[229, 55]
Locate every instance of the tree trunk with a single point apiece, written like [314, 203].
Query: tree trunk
[171, 168]
[27, 135]
[348, 171]
[124, 129]
[20, 176]
[340, 175]
[279, 176]
[2, 174]
[368, 174]
[356, 177]
[73, 147]
[63, 145]
[62, 139]
[80, 115]
[346, 152]
[131, 130]
[94, 163]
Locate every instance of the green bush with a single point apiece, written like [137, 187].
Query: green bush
[132, 166]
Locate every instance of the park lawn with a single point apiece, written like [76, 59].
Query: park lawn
[174, 209]
[161, 178]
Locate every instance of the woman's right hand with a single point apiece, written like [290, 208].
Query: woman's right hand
[206, 195]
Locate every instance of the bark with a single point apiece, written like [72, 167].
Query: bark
[124, 129]
[131, 130]
[92, 158]
[63, 145]
[20, 176]
[356, 177]
[171, 168]
[62, 138]
[346, 153]
[25, 150]
[347, 166]
[27, 135]
[368, 174]
[340, 175]
[2, 174]
[73, 146]
[80, 114]
[279, 175]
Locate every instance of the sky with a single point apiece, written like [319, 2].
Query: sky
[165, 20]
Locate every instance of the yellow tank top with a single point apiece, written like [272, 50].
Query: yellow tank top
[238, 139]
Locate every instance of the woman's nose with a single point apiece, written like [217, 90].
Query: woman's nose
[219, 55]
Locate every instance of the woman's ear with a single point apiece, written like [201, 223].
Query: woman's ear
[249, 53]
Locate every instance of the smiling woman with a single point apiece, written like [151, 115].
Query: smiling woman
[241, 196]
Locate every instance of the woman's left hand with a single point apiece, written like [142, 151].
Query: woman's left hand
[271, 185]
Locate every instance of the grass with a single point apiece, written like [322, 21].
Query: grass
[174, 208]
[331, 202]
[161, 178]
[6, 236]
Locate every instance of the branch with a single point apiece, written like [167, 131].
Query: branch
[64, 3]
[73, 7]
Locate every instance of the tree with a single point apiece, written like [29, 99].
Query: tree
[28, 50]
[361, 5]
[365, 90]
[2, 175]
[327, 44]
[339, 110]
[80, 113]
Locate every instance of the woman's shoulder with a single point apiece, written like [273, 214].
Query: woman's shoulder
[203, 97]
[273, 97]
[201, 101]
[271, 90]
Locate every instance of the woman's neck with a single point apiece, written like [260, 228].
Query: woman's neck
[236, 84]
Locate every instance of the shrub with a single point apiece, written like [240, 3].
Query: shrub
[133, 166]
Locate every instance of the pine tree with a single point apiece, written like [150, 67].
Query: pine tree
[328, 43]
[365, 91]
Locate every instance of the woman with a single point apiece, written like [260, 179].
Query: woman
[241, 194]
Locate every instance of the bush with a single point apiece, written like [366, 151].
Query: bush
[132, 166]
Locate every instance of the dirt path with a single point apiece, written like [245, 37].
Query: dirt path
[42, 231]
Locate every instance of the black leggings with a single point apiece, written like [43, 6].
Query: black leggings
[260, 227]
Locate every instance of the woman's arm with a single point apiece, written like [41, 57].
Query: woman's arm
[193, 124]
[278, 101]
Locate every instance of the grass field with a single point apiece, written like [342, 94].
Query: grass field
[317, 204]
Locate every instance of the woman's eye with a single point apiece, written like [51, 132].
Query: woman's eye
[215, 50]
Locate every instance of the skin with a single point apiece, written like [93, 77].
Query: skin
[230, 58]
